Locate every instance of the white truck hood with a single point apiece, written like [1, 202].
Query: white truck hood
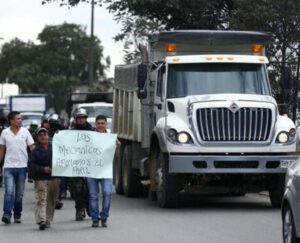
[230, 97]
[215, 100]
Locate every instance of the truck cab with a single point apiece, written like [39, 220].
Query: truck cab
[207, 119]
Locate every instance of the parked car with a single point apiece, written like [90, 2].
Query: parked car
[93, 110]
[29, 117]
[291, 205]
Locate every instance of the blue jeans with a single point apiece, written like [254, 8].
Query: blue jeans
[14, 180]
[106, 190]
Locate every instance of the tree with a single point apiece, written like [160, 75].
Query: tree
[144, 17]
[14, 54]
[281, 19]
[278, 17]
[55, 65]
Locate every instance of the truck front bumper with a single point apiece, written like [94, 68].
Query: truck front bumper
[230, 164]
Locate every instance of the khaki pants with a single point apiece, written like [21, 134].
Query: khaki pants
[46, 193]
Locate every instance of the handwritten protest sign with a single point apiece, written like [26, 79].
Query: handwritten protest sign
[83, 154]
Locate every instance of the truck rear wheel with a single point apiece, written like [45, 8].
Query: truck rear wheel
[132, 186]
[166, 184]
[276, 190]
[118, 172]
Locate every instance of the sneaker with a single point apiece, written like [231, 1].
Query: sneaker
[48, 224]
[6, 219]
[95, 224]
[42, 225]
[88, 212]
[104, 223]
[17, 220]
[80, 214]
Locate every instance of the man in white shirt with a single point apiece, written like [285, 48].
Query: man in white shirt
[13, 143]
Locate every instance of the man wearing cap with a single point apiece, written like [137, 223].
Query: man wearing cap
[79, 184]
[14, 141]
[46, 186]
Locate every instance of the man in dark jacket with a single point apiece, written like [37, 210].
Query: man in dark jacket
[79, 184]
[55, 127]
[46, 187]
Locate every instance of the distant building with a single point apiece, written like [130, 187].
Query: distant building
[5, 91]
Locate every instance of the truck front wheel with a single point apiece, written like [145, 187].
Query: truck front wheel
[276, 189]
[167, 185]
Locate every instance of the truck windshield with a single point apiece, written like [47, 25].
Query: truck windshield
[216, 78]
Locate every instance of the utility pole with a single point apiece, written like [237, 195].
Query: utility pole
[91, 48]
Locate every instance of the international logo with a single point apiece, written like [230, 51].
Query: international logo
[234, 107]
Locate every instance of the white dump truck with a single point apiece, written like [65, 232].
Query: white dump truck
[197, 116]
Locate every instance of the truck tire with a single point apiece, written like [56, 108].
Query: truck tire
[132, 186]
[166, 184]
[276, 190]
[118, 172]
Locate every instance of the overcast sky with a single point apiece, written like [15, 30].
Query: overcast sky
[25, 19]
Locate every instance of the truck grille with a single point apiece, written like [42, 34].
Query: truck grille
[245, 124]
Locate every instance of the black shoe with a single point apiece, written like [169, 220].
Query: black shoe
[58, 204]
[80, 214]
[95, 224]
[42, 225]
[104, 223]
[6, 219]
[17, 220]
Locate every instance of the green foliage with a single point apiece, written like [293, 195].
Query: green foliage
[54, 66]
[14, 54]
[141, 18]
[281, 19]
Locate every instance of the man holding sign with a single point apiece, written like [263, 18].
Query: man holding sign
[106, 187]
[80, 154]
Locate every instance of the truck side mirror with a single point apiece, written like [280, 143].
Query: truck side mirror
[142, 74]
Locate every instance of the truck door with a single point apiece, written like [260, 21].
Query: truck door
[159, 99]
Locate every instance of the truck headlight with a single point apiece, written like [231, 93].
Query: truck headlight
[179, 137]
[283, 137]
[183, 137]
[292, 132]
[172, 134]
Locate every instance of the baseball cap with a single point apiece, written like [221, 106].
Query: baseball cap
[41, 129]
